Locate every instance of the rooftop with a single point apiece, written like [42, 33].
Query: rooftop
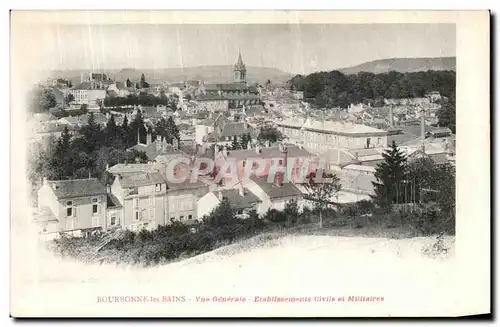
[74, 188]
[137, 179]
[333, 127]
[277, 192]
[238, 201]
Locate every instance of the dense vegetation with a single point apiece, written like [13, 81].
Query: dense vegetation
[421, 186]
[334, 89]
[89, 151]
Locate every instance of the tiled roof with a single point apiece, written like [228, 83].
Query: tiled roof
[130, 168]
[83, 86]
[233, 87]
[277, 192]
[186, 185]
[236, 200]
[76, 188]
[242, 97]
[138, 179]
[152, 152]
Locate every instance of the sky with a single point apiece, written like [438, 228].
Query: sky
[292, 48]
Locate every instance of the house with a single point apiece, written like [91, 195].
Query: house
[262, 159]
[149, 200]
[241, 199]
[274, 195]
[114, 212]
[142, 197]
[91, 94]
[73, 205]
[158, 147]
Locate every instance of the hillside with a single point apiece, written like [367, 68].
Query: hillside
[403, 65]
[219, 74]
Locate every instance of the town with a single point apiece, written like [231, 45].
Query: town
[100, 150]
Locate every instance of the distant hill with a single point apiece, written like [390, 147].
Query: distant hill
[403, 65]
[217, 74]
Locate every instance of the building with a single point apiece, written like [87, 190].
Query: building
[97, 77]
[241, 199]
[273, 195]
[319, 136]
[148, 200]
[262, 159]
[212, 102]
[142, 196]
[238, 93]
[91, 94]
[73, 205]
[118, 89]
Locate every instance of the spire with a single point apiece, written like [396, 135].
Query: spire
[239, 64]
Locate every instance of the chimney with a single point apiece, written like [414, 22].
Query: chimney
[158, 143]
[249, 145]
[422, 124]
[148, 139]
[45, 181]
[224, 151]
[216, 151]
[391, 116]
[219, 195]
[278, 179]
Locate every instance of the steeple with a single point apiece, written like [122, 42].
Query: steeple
[240, 70]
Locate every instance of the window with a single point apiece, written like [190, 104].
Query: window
[158, 187]
[113, 221]
[172, 220]
[244, 163]
[190, 217]
[240, 212]
[136, 203]
[280, 162]
[95, 206]
[181, 218]
[151, 200]
[70, 212]
[151, 212]
[137, 214]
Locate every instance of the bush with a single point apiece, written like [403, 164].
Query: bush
[275, 216]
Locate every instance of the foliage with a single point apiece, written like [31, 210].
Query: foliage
[41, 100]
[390, 175]
[447, 114]
[321, 191]
[69, 99]
[245, 139]
[334, 89]
[270, 134]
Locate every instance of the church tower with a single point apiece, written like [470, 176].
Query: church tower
[240, 71]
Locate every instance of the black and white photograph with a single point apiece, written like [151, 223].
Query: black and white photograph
[248, 166]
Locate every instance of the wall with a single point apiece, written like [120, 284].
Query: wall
[83, 217]
[206, 204]
[264, 198]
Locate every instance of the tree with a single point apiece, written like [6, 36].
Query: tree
[235, 145]
[270, 134]
[137, 129]
[42, 99]
[321, 192]
[69, 99]
[84, 108]
[171, 131]
[390, 175]
[291, 211]
[143, 84]
[111, 131]
[222, 215]
[447, 115]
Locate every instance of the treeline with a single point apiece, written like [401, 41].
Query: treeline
[334, 89]
[142, 99]
[89, 151]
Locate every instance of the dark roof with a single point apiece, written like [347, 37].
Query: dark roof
[76, 188]
[238, 201]
[186, 185]
[210, 97]
[141, 179]
[152, 152]
[113, 202]
[83, 86]
[277, 192]
[242, 97]
[233, 87]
